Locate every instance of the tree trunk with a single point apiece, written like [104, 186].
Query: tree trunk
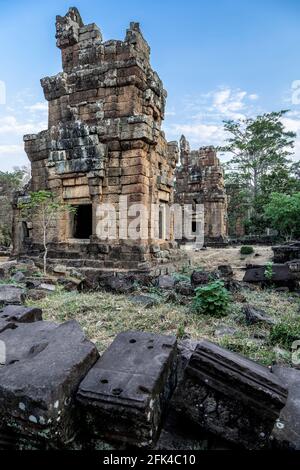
[45, 252]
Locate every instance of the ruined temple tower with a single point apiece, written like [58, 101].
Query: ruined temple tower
[104, 140]
[200, 180]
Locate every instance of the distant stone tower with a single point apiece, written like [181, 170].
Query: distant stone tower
[104, 140]
[199, 180]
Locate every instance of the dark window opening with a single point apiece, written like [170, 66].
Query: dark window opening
[160, 225]
[25, 231]
[83, 221]
[194, 226]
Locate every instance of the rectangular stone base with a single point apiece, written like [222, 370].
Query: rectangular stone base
[230, 396]
[124, 395]
[44, 365]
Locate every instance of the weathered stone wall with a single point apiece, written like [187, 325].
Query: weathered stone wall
[104, 141]
[200, 180]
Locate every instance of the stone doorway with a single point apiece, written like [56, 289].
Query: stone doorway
[83, 221]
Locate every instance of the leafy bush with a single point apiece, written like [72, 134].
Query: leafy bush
[269, 271]
[283, 212]
[5, 235]
[212, 299]
[285, 332]
[246, 250]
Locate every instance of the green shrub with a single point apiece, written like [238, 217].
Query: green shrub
[285, 332]
[180, 332]
[212, 299]
[246, 250]
[269, 271]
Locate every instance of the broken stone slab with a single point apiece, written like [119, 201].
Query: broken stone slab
[6, 267]
[225, 270]
[45, 363]
[10, 294]
[286, 430]
[125, 394]
[284, 253]
[144, 300]
[281, 276]
[13, 314]
[70, 284]
[184, 288]
[166, 282]
[200, 278]
[230, 396]
[118, 284]
[47, 287]
[60, 269]
[18, 276]
[255, 315]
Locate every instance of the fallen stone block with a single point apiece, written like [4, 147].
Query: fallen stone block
[125, 394]
[13, 314]
[18, 277]
[200, 278]
[10, 294]
[281, 276]
[286, 431]
[230, 396]
[184, 288]
[70, 284]
[225, 270]
[284, 253]
[47, 287]
[255, 315]
[144, 301]
[166, 282]
[44, 365]
[6, 268]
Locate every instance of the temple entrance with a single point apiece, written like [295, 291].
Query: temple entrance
[83, 221]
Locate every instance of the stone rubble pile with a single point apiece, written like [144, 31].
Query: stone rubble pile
[146, 390]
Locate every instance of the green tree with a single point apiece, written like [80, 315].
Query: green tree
[260, 149]
[10, 182]
[44, 209]
[283, 214]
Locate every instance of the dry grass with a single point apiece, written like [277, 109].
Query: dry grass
[103, 315]
[211, 258]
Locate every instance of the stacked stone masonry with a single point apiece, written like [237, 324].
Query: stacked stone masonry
[200, 180]
[104, 141]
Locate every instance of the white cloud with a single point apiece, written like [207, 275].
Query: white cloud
[200, 133]
[201, 117]
[229, 103]
[10, 125]
[40, 106]
[24, 115]
[11, 149]
[291, 121]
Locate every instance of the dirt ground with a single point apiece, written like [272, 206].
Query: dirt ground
[211, 258]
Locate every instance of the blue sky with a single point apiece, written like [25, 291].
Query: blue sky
[218, 60]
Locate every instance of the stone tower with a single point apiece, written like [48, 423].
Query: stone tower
[104, 141]
[200, 180]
